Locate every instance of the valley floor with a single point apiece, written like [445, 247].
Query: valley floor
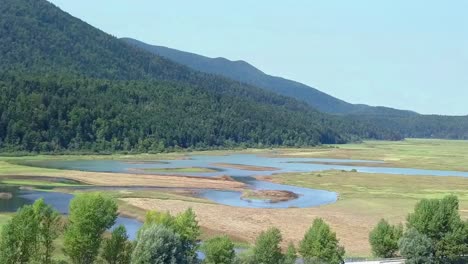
[363, 198]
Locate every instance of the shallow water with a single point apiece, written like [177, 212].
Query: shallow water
[307, 197]
[60, 202]
[205, 161]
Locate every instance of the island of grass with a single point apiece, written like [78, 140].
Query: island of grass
[272, 196]
[38, 181]
[244, 167]
[179, 170]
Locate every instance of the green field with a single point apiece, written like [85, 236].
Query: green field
[363, 198]
[410, 153]
[38, 183]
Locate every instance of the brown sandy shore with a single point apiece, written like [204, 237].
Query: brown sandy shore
[149, 180]
[245, 224]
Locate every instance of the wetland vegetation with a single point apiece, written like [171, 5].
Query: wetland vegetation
[186, 156]
[364, 198]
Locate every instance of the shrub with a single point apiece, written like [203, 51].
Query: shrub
[219, 250]
[158, 244]
[320, 245]
[384, 239]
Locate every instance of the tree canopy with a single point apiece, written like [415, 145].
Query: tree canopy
[320, 245]
[90, 215]
[66, 86]
[384, 239]
[439, 220]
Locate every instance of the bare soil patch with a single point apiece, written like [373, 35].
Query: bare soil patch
[246, 224]
[273, 196]
[148, 180]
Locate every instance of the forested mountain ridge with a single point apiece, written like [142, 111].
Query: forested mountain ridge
[65, 85]
[244, 72]
[60, 112]
[399, 122]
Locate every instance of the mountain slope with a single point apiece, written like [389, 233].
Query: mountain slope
[404, 123]
[65, 85]
[244, 72]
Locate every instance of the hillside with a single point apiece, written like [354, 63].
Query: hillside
[65, 85]
[244, 72]
[399, 122]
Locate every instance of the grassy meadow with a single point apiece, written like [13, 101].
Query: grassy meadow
[363, 198]
[410, 153]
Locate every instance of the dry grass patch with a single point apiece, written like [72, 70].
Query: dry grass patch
[245, 224]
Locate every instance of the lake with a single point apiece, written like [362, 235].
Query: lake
[218, 166]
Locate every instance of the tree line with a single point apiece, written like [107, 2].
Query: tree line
[435, 234]
[30, 236]
[70, 113]
[419, 126]
[66, 86]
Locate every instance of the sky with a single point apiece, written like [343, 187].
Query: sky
[403, 54]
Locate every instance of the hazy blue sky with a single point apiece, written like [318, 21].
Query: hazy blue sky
[404, 54]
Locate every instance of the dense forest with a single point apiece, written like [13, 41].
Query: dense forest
[244, 72]
[405, 123]
[420, 126]
[65, 85]
[60, 112]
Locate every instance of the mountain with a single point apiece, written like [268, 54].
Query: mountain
[244, 72]
[402, 122]
[65, 85]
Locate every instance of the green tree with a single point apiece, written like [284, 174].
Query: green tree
[184, 224]
[416, 248]
[117, 249]
[48, 220]
[291, 255]
[439, 220]
[90, 215]
[158, 244]
[19, 242]
[384, 239]
[320, 245]
[267, 248]
[219, 250]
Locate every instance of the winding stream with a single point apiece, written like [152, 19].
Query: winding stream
[270, 165]
[307, 197]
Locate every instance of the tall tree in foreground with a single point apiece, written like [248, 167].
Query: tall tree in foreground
[117, 249]
[320, 245]
[30, 234]
[219, 250]
[267, 248]
[19, 237]
[90, 215]
[48, 220]
[384, 239]
[158, 244]
[440, 221]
